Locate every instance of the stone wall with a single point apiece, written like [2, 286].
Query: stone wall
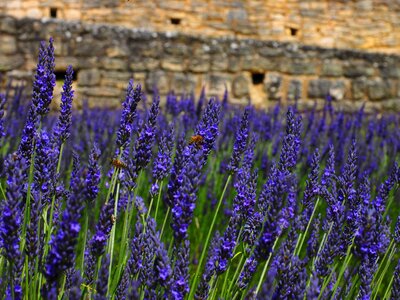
[372, 25]
[105, 57]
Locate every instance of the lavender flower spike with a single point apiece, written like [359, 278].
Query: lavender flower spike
[62, 128]
[240, 142]
[133, 96]
[2, 103]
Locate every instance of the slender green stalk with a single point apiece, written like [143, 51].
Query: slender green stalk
[84, 237]
[388, 250]
[342, 270]
[165, 221]
[378, 284]
[158, 199]
[388, 289]
[210, 231]
[264, 271]
[299, 246]
[111, 241]
[234, 278]
[2, 191]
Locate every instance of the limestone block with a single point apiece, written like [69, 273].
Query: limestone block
[294, 89]
[319, 88]
[199, 64]
[219, 62]
[143, 64]
[332, 68]
[8, 44]
[157, 79]
[273, 86]
[357, 68]
[89, 77]
[173, 63]
[108, 63]
[378, 89]
[240, 86]
[183, 83]
[8, 63]
[359, 88]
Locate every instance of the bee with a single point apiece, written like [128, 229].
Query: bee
[196, 140]
[118, 163]
[113, 219]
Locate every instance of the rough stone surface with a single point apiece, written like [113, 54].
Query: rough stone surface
[240, 86]
[105, 57]
[273, 86]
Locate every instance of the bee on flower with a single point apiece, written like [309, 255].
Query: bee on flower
[197, 140]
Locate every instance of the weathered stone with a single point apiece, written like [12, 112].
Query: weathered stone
[332, 68]
[117, 51]
[183, 83]
[8, 63]
[337, 90]
[378, 89]
[273, 86]
[359, 88]
[357, 68]
[157, 79]
[219, 62]
[234, 64]
[89, 77]
[8, 44]
[144, 64]
[240, 86]
[298, 67]
[199, 64]
[173, 63]
[270, 51]
[108, 63]
[260, 64]
[294, 89]
[391, 104]
[115, 79]
[216, 83]
[319, 88]
[101, 91]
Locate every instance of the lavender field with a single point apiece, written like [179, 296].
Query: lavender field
[194, 199]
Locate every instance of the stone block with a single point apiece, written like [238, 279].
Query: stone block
[89, 77]
[108, 63]
[199, 64]
[273, 86]
[117, 51]
[378, 89]
[183, 83]
[144, 64]
[298, 66]
[8, 63]
[219, 62]
[8, 44]
[319, 88]
[337, 90]
[359, 88]
[332, 68]
[354, 69]
[173, 63]
[294, 89]
[216, 83]
[157, 79]
[240, 86]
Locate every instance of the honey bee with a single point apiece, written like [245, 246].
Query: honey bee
[118, 163]
[113, 219]
[196, 140]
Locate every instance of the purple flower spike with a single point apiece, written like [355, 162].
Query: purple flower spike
[93, 175]
[2, 103]
[240, 142]
[133, 96]
[62, 129]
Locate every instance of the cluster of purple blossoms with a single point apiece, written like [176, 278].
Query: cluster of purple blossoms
[255, 205]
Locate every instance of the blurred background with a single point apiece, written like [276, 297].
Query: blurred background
[261, 51]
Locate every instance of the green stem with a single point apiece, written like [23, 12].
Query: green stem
[264, 271]
[2, 191]
[388, 289]
[298, 247]
[112, 239]
[85, 229]
[342, 270]
[165, 221]
[234, 278]
[158, 200]
[210, 231]
[378, 284]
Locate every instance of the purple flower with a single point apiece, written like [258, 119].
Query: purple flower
[186, 195]
[163, 162]
[239, 146]
[180, 285]
[144, 143]
[133, 96]
[98, 242]
[102, 280]
[62, 128]
[2, 103]
[92, 180]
